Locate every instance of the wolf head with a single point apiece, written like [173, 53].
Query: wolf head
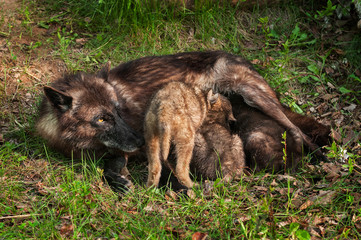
[82, 111]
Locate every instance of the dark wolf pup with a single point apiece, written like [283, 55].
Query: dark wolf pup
[174, 116]
[82, 113]
[262, 137]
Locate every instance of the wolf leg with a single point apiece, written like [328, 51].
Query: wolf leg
[112, 169]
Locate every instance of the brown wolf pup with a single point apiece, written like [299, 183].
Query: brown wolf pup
[218, 153]
[81, 113]
[262, 137]
[175, 114]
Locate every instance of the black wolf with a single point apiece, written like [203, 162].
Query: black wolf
[82, 113]
[131, 86]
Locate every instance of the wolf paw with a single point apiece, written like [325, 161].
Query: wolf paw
[119, 183]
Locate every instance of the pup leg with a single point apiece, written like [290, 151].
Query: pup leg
[154, 162]
[233, 163]
[184, 155]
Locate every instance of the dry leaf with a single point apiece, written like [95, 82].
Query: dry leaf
[256, 61]
[307, 204]
[81, 41]
[66, 229]
[317, 220]
[199, 236]
[350, 108]
[336, 135]
[324, 198]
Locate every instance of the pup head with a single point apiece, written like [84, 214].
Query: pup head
[220, 110]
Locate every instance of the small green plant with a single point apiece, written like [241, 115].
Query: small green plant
[328, 11]
[297, 233]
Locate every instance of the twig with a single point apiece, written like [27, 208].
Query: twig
[31, 75]
[19, 216]
[4, 34]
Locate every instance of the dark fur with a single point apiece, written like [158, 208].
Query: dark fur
[81, 113]
[262, 137]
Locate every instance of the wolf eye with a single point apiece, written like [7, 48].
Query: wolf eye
[101, 120]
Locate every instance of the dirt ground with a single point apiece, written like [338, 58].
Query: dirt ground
[26, 63]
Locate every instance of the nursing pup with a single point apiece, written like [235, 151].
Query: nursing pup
[81, 113]
[174, 116]
[262, 137]
[218, 153]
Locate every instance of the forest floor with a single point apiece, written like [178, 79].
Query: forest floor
[44, 195]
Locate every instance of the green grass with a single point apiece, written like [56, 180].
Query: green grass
[44, 195]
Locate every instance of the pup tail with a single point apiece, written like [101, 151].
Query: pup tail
[165, 139]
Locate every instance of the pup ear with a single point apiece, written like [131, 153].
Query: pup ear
[104, 72]
[58, 99]
[212, 98]
[231, 117]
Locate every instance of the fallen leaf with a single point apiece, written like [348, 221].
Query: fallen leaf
[336, 135]
[81, 41]
[350, 138]
[66, 229]
[241, 219]
[350, 108]
[317, 220]
[191, 194]
[314, 233]
[273, 183]
[307, 204]
[332, 170]
[324, 198]
[285, 177]
[255, 61]
[330, 85]
[199, 236]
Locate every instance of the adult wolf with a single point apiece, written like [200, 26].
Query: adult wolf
[80, 113]
[126, 91]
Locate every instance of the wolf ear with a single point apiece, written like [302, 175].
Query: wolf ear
[212, 98]
[104, 72]
[58, 99]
